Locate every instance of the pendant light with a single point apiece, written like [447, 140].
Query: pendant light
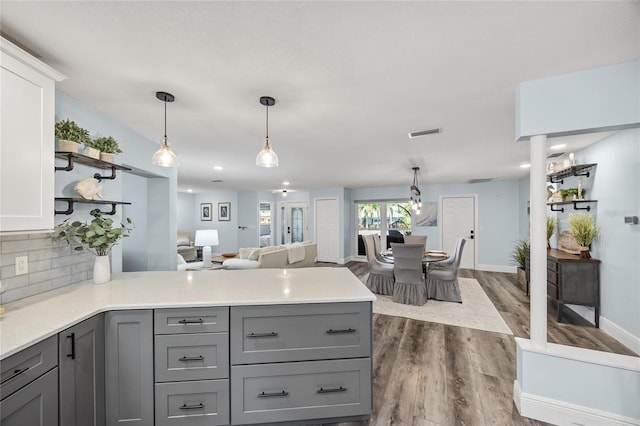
[164, 156]
[267, 157]
[416, 201]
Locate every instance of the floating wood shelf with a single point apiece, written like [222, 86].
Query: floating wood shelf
[577, 170]
[71, 201]
[575, 205]
[73, 157]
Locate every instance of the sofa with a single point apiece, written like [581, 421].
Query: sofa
[295, 255]
[185, 246]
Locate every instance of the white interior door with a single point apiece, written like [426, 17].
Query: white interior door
[459, 220]
[327, 229]
[292, 222]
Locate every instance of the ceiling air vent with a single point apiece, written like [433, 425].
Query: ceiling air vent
[555, 155]
[480, 180]
[425, 132]
[217, 181]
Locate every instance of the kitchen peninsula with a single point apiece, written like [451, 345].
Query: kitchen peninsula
[228, 347]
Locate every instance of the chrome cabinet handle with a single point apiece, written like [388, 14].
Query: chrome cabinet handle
[191, 358]
[254, 335]
[331, 390]
[348, 330]
[15, 374]
[273, 394]
[191, 407]
[187, 321]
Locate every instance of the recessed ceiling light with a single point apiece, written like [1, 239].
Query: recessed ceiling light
[525, 166]
[285, 183]
[218, 168]
[189, 190]
[558, 146]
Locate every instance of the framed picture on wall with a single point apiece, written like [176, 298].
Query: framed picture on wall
[224, 211]
[206, 211]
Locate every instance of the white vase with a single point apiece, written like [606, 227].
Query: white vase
[101, 270]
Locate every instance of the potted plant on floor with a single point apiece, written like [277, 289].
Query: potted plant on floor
[552, 225]
[519, 256]
[583, 229]
[108, 146]
[98, 236]
[69, 135]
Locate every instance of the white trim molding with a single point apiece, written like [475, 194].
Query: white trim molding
[563, 413]
[620, 334]
[497, 268]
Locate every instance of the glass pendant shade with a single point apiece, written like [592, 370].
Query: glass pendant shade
[267, 157]
[164, 156]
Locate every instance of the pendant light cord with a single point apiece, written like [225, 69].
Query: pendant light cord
[267, 126]
[165, 121]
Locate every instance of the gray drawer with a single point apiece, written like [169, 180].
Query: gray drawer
[300, 390]
[191, 357]
[191, 320]
[197, 403]
[27, 365]
[261, 334]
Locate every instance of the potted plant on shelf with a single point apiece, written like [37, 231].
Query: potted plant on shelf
[519, 256]
[108, 146]
[552, 224]
[69, 135]
[583, 229]
[98, 236]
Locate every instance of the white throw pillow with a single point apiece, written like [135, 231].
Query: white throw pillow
[183, 241]
[245, 252]
[255, 254]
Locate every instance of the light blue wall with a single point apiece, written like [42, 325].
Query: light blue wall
[227, 230]
[137, 154]
[498, 215]
[186, 205]
[599, 99]
[135, 247]
[523, 205]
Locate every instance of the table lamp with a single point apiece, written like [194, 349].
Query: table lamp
[206, 238]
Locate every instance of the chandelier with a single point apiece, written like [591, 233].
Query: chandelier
[416, 201]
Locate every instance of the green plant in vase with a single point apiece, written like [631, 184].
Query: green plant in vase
[69, 135]
[584, 230]
[107, 146]
[519, 256]
[552, 225]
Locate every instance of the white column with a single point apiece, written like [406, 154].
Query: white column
[538, 238]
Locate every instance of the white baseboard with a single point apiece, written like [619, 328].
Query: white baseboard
[564, 413]
[620, 334]
[496, 268]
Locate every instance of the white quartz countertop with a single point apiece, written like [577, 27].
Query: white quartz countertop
[33, 319]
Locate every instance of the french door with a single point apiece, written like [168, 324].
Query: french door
[292, 222]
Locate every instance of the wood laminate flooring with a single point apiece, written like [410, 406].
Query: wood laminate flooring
[431, 374]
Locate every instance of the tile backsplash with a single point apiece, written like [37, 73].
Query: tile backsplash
[51, 264]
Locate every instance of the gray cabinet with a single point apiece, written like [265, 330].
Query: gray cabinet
[81, 373]
[192, 366]
[29, 386]
[129, 368]
[300, 363]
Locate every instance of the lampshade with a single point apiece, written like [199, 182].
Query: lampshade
[164, 156]
[267, 156]
[206, 237]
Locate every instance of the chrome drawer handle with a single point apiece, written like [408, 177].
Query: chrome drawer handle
[332, 390]
[254, 335]
[186, 321]
[191, 358]
[191, 407]
[348, 330]
[273, 394]
[15, 374]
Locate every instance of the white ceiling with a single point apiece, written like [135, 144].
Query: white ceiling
[351, 79]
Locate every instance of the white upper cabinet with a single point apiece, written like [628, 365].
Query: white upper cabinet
[27, 118]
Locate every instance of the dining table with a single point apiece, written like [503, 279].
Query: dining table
[430, 256]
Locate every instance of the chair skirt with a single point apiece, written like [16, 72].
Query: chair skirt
[448, 291]
[409, 293]
[380, 283]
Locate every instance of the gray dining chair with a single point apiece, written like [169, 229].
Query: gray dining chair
[378, 247]
[409, 287]
[416, 239]
[380, 279]
[442, 277]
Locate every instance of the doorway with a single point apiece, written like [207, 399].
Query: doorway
[459, 219]
[292, 222]
[327, 220]
[264, 224]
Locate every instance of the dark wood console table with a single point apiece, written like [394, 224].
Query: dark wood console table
[571, 280]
